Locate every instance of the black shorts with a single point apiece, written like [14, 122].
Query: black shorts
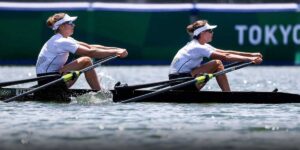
[56, 92]
[191, 87]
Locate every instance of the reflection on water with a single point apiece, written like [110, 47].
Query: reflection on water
[93, 121]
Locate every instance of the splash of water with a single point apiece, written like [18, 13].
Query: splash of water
[101, 97]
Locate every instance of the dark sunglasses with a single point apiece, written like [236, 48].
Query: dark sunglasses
[210, 31]
[70, 23]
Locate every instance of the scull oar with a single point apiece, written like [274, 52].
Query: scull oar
[8, 83]
[64, 78]
[233, 64]
[167, 82]
[198, 80]
[139, 86]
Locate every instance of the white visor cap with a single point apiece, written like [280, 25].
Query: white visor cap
[204, 28]
[63, 20]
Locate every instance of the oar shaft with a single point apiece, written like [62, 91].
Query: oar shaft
[232, 68]
[174, 80]
[189, 78]
[8, 83]
[132, 87]
[199, 79]
[98, 63]
[233, 64]
[158, 92]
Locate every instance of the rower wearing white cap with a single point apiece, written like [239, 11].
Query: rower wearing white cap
[187, 61]
[55, 52]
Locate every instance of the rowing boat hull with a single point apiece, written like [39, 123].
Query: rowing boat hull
[210, 97]
[10, 92]
[174, 96]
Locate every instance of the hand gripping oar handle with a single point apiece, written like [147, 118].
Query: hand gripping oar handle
[64, 78]
[200, 79]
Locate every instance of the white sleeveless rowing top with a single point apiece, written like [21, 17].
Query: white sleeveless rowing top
[55, 53]
[190, 56]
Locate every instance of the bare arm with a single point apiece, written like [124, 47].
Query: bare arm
[96, 46]
[228, 57]
[94, 52]
[84, 44]
[256, 54]
[103, 47]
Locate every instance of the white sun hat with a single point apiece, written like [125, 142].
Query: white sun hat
[204, 28]
[63, 20]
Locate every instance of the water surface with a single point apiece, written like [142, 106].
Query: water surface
[93, 121]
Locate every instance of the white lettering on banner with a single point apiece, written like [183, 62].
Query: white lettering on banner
[295, 34]
[241, 29]
[285, 33]
[254, 30]
[268, 34]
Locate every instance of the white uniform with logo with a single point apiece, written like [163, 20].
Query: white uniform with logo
[190, 56]
[55, 53]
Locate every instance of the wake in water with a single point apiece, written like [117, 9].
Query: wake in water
[101, 97]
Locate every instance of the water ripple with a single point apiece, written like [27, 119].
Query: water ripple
[93, 121]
